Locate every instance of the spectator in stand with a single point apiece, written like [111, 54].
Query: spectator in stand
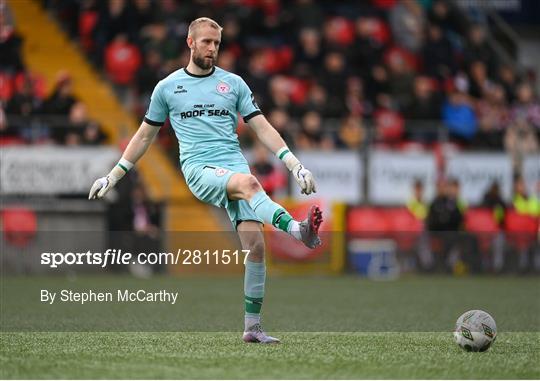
[416, 204]
[281, 121]
[272, 180]
[351, 133]
[61, 99]
[522, 135]
[438, 54]
[157, 36]
[424, 111]
[526, 109]
[332, 77]
[366, 52]
[171, 11]
[144, 14]
[122, 60]
[306, 14]
[493, 200]
[444, 221]
[146, 78]
[401, 80]
[522, 202]
[309, 53]
[88, 131]
[92, 135]
[70, 133]
[24, 103]
[407, 21]
[448, 17]
[479, 82]
[115, 18]
[10, 44]
[507, 78]
[257, 77]
[493, 117]
[389, 122]
[378, 83]
[318, 99]
[478, 49]
[312, 135]
[458, 112]
[279, 94]
[355, 100]
[231, 40]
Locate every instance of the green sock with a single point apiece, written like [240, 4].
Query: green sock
[270, 212]
[254, 279]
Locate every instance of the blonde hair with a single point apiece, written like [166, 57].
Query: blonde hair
[202, 20]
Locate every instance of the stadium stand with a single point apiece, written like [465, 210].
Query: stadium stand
[357, 60]
[409, 76]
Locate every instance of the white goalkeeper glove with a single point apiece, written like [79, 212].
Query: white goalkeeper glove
[104, 184]
[101, 186]
[303, 177]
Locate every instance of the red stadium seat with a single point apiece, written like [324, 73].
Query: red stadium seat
[6, 87]
[368, 222]
[38, 83]
[19, 225]
[481, 222]
[11, 141]
[87, 22]
[521, 229]
[390, 125]
[122, 60]
[404, 226]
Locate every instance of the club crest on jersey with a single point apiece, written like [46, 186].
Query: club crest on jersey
[223, 88]
[221, 171]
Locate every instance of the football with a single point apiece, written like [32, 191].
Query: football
[475, 331]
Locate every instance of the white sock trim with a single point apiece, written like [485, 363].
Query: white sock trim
[294, 229]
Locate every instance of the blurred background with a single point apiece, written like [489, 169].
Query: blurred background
[419, 119]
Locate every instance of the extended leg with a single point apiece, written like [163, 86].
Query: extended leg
[246, 187]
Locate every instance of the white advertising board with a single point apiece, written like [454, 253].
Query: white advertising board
[477, 171]
[53, 170]
[338, 175]
[392, 176]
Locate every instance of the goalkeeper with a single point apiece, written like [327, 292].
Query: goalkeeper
[202, 102]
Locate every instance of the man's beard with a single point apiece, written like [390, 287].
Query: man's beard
[201, 62]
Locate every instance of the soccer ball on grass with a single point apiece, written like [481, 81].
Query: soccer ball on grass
[475, 331]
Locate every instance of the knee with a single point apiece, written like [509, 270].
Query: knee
[251, 186]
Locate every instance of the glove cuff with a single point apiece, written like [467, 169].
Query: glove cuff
[120, 170]
[116, 174]
[285, 155]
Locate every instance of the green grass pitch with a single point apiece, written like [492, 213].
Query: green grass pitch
[340, 328]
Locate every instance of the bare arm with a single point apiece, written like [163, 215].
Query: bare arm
[275, 143]
[136, 148]
[266, 133]
[140, 142]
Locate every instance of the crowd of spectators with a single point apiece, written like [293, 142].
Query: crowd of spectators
[412, 70]
[27, 114]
